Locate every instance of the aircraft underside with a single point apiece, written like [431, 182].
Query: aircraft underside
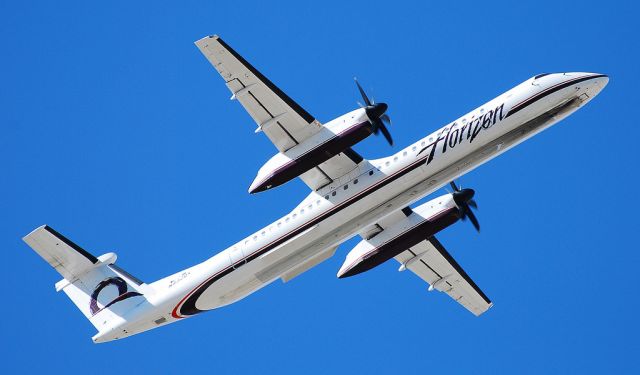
[350, 196]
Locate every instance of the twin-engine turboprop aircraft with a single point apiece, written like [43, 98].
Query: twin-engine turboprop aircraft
[349, 196]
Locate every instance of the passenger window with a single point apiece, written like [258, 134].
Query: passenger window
[255, 237]
[333, 194]
[422, 144]
[279, 224]
[346, 187]
[286, 220]
[263, 232]
[395, 159]
[295, 215]
[326, 197]
[404, 153]
[413, 148]
[355, 181]
[387, 164]
[371, 172]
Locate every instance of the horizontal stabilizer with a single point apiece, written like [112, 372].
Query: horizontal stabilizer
[69, 259]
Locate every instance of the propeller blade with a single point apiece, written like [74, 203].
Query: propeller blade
[364, 96]
[474, 220]
[473, 204]
[386, 133]
[376, 114]
[454, 186]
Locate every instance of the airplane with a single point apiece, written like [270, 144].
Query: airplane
[350, 196]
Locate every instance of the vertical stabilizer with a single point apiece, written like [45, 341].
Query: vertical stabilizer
[102, 291]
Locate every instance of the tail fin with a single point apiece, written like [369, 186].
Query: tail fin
[100, 289]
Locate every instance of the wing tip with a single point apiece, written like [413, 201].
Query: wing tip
[25, 238]
[204, 39]
[481, 312]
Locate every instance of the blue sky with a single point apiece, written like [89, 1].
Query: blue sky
[119, 134]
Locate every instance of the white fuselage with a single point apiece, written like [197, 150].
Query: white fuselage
[376, 188]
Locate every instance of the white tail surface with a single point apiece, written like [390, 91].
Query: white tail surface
[102, 291]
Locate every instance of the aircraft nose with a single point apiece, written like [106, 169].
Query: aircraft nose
[595, 82]
[602, 80]
[588, 84]
[598, 78]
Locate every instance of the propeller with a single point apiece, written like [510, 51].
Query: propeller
[464, 201]
[376, 113]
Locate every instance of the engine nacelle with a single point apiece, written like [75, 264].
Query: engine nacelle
[335, 137]
[425, 221]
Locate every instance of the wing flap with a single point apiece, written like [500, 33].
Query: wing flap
[308, 264]
[331, 170]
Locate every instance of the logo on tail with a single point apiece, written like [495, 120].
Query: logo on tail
[123, 293]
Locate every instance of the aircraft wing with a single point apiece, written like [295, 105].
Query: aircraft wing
[278, 116]
[332, 169]
[430, 261]
[433, 264]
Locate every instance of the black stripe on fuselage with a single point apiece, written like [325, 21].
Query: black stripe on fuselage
[290, 102]
[189, 301]
[189, 308]
[544, 93]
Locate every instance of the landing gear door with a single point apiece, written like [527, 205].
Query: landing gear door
[237, 257]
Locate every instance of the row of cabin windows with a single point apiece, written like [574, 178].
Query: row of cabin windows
[355, 181]
[286, 220]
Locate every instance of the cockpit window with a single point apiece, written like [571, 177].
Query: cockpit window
[541, 75]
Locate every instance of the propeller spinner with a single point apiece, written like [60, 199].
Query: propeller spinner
[464, 201]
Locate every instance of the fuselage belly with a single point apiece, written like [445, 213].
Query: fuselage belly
[375, 189]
